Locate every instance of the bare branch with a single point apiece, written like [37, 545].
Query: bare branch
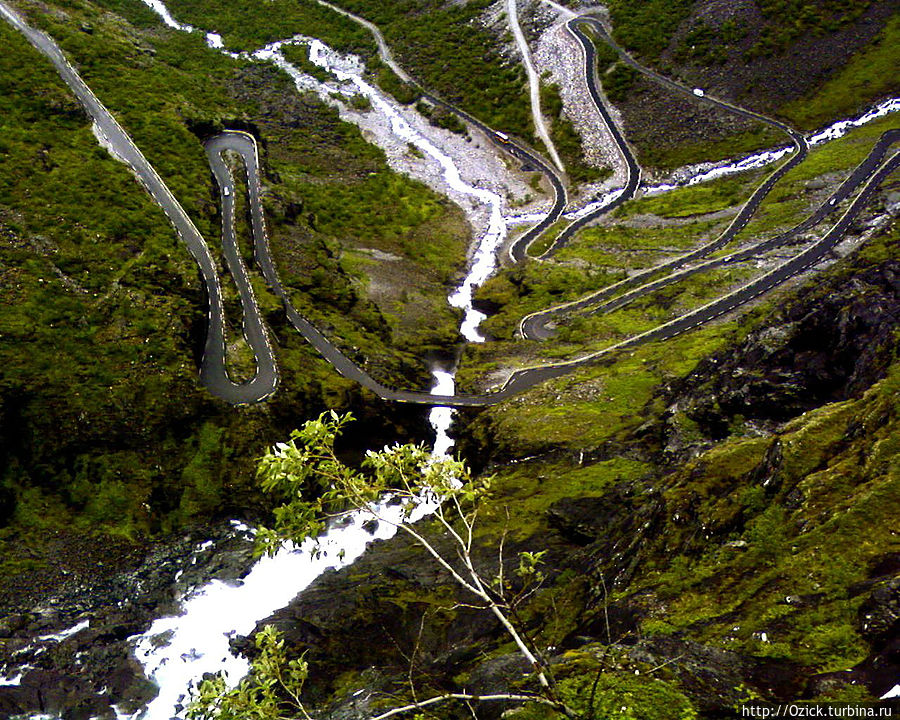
[293, 695]
[455, 606]
[606, 610]
[470, 524]
[439, 514]
[502, 589]
[437, 556]
[667, 662]
[462, 515]
[471, 710]
[412, 658]
[525, 594]
[508, 697]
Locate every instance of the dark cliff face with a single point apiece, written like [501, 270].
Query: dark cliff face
[832, 342]
[747, 552]
[119, 589]
[750, 554]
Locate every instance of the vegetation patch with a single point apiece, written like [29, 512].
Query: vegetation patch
[567, 141]
[801, 188]
[792, 19]
[105, 427]
[647, 27]
[868, 75]
[244, 27]
[442, 45]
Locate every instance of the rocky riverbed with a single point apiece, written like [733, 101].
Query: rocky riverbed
[64, 644]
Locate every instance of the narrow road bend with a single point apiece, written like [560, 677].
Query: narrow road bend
[263, 384]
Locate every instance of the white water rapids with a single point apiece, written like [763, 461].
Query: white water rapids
[767, 157]
[177, 651]
[349, 70]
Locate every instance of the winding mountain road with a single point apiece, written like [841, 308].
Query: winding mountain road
[528, 157]
[384, 50]
[830, 206]
[538, 325]
[632, 168]
[213, 371]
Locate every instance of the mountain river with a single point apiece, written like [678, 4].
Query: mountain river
[177, 651]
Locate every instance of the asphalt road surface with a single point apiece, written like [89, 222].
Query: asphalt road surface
[213, 369]
[537, 326]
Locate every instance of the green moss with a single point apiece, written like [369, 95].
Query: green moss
[525, 494]
[102, 314]
[815, 436]
[731, 462]
[442, 46]
[815, 548]
[587, 686]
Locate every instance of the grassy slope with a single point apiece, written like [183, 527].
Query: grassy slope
[693, 554]
[99, 303]
[819, 531]
[102, 313]
[337, 178]
[806, 512]
[869, 75]
[601, 255]
[797, 190]
[442, 45]
[672, 36]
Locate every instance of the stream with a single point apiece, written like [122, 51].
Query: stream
[177, 651]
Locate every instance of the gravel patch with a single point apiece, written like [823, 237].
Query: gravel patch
[558, 56]
[476, 158]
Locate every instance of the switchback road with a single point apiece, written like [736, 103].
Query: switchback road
[537, 325]
[213, 371]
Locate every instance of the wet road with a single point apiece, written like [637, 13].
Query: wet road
[537, 326]
[213, 370]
